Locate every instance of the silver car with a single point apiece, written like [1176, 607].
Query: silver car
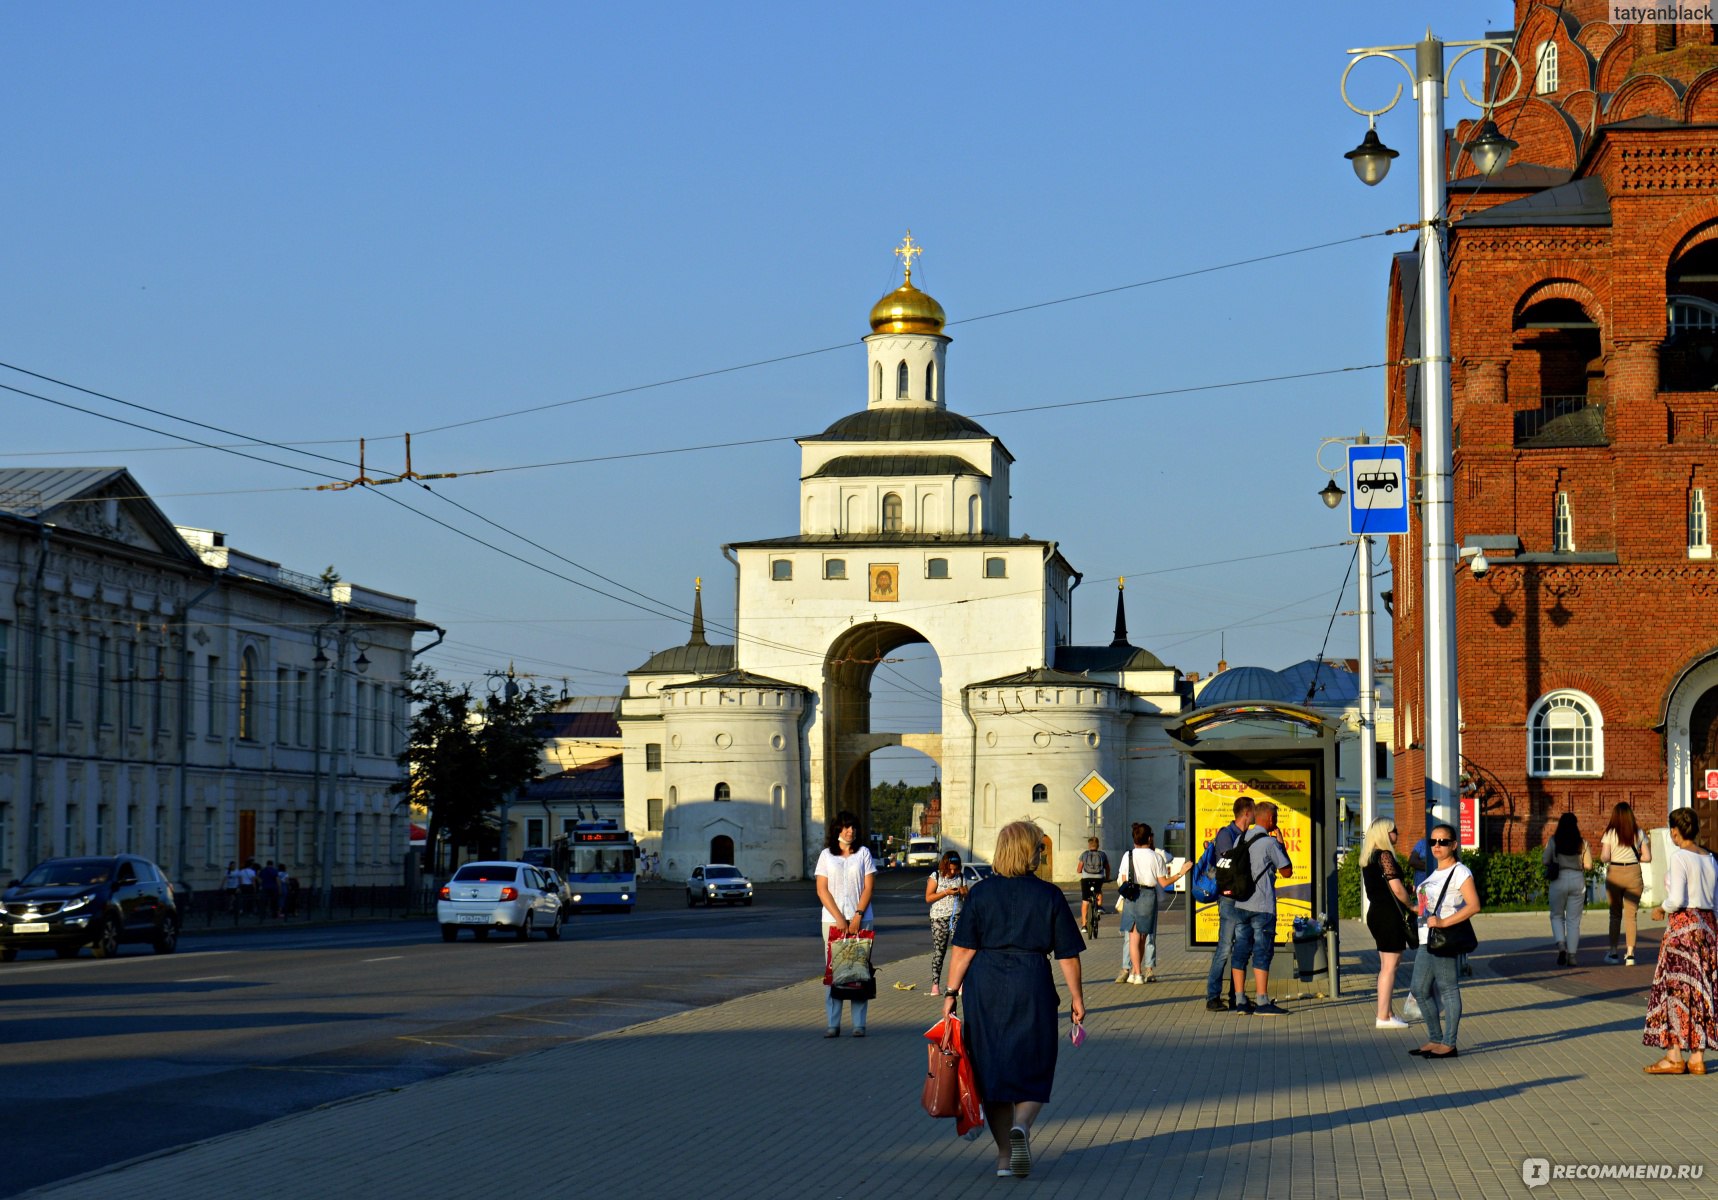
[507, 896]
[717, 881]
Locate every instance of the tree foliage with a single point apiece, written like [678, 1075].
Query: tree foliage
[892, 806]
[465, 755]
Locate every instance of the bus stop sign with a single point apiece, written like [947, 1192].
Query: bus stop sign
[1377, 489]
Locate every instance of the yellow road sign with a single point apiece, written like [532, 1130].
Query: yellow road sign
[1094, 789]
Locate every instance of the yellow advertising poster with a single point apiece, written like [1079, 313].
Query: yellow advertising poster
[1214, 796]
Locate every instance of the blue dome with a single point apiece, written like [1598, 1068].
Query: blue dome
[1337, 686]
[1245, 683]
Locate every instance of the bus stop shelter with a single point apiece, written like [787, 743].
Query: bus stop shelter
[1284, 753]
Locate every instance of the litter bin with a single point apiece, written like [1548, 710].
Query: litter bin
[1311, 953]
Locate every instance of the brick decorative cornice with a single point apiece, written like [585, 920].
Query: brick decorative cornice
[1519, 246]
[1666, 168]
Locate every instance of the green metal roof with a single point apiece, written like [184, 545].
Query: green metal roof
[849, 466]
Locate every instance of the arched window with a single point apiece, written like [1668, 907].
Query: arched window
[722, 792]
[936, 568]
[248, 695]
[1692, 314]
[1565, 736]
[891, 513]
[1040, 794]
[1699, 545]
[996, 568]
[902, 381]
[877, 377]
[930, 381]
[1545, 68]
[974, 515]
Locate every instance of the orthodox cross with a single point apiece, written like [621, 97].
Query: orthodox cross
[905, 252]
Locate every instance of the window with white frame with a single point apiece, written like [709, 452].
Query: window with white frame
[1565, 736]
[1563, 526]
[1545, 68]
[1699, 540]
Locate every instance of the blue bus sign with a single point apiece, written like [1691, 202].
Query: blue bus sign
[1377, 489]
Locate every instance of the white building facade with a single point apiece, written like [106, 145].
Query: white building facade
[743, 752]
[164, 694]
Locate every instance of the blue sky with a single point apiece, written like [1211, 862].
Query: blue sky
[312, 223]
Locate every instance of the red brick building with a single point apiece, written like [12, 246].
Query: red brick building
[1584, 339]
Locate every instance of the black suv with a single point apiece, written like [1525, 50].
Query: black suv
[65, 904]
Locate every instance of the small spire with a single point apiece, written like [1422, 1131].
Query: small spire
[1121, 613]
[697, 638]
[905, 252]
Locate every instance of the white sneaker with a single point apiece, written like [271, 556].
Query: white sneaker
[1391, 1022]
[1135, 978]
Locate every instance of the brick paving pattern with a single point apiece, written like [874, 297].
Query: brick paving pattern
[745, 1098]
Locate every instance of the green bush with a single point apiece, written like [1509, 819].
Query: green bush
[1348, 884]
[1507, 879]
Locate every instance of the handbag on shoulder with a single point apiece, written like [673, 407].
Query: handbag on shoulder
[1450, 941]
[1129, 889]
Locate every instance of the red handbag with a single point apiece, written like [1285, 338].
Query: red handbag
[941, 1095]
[947, 1048]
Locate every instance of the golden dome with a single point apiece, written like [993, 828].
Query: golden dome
[907, 310]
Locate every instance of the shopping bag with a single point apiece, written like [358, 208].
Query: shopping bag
[848, 958]
[941, 1094]
[1411, 1009]
[970, 1115]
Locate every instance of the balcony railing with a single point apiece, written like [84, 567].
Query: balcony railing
[1563, 421]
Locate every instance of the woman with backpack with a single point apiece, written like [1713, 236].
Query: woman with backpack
[1567, 861]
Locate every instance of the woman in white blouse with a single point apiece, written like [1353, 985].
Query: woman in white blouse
[846, 873]
[1679, 1010]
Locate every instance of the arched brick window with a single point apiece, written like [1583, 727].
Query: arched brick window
[1565, 735]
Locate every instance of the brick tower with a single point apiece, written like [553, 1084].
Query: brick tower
[1584, 339]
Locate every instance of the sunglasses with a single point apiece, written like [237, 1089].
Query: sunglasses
[1443, 841]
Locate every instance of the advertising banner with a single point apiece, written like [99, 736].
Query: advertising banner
[1214, 796]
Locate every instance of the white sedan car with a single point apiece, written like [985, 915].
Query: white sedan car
[486, 896]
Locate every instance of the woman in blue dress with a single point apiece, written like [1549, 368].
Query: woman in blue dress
[1011, 921]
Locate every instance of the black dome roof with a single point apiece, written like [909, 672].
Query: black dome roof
[903, 425]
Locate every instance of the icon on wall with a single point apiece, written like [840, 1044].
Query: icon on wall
[885, 582]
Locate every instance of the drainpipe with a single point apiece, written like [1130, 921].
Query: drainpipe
[1072, 584]
[972, 775]
[184, 730]
[728, 553]
[440, 636]
[44, 533]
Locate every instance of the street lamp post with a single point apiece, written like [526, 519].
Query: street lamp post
[505, 685]
[1371, 159]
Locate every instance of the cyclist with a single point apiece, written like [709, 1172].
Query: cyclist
[1094, 873]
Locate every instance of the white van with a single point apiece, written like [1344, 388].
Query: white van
[923, 851]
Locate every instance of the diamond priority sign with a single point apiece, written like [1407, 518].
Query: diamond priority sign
[1094, 789]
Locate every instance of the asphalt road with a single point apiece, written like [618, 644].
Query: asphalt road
[119, 1058]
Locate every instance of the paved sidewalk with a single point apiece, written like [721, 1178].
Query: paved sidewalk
[1164, 1100]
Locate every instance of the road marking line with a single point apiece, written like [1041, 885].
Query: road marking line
[205, 979]
[389, 958]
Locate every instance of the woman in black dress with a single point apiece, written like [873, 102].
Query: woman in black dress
[1010, 923]
[1387, 912]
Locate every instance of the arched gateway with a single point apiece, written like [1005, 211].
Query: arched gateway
[903, 538]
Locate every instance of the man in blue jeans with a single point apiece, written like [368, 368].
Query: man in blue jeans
[1220, 845]
[1256, 924]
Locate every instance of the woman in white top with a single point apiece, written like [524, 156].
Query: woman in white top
[1680, 1013]
[1144, 865]
[1623, 849]
[944, 892]
[1447, 898]
[845, 875]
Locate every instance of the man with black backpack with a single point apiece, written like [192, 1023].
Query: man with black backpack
[1247, 874]
[1221, 845]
